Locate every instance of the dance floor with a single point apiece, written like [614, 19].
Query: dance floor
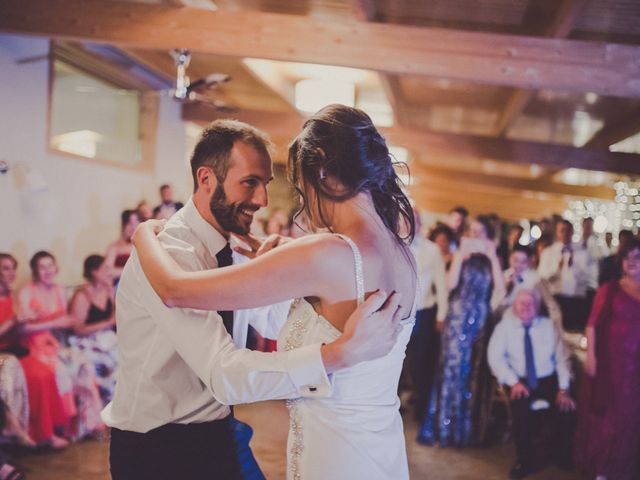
[89, 460]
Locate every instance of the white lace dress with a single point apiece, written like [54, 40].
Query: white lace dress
[356, 433]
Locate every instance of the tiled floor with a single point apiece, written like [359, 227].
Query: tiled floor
[89, 460]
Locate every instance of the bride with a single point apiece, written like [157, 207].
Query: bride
[342, 169]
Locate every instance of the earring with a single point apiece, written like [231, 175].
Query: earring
[323, 174]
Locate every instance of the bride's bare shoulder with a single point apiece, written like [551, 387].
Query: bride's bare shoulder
[324, 250]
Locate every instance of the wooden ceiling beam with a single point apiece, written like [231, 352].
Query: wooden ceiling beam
[514, 207]
[497, 59]
[449, 145]
[560, 27]
[506, 211]
[454, 146]
[279, 124]
[616, 131]
[205, 4]
[365, 11]
[467, 180]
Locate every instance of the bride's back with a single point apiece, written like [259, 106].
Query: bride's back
[386, 265]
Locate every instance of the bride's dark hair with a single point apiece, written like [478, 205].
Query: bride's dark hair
[343, 143]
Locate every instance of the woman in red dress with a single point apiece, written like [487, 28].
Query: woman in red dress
[42, 307]
[608, 436]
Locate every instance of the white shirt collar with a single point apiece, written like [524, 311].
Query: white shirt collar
[212, 239]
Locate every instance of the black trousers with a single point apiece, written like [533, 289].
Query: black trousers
[423, 352]
[575, 312]
[199, 451]
[526, 421]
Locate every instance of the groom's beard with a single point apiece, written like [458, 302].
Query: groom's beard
[232, 217]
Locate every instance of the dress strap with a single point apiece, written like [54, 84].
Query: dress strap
[357, 257]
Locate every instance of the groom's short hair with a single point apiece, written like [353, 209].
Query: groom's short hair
[213, 150]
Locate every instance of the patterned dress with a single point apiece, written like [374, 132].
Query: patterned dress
[457, 411]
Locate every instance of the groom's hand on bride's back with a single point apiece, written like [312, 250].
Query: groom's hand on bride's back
[370, 332]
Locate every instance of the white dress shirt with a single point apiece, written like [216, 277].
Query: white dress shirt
[431, 275]
[506, 351]
[180, 365]
[596, 253]
[528, 280]
[571, 281]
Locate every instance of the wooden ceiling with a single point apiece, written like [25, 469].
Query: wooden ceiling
[491, 98]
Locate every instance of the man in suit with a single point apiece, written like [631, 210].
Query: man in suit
[167, 205]
[179, 369]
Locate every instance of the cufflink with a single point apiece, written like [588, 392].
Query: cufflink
[313, 389]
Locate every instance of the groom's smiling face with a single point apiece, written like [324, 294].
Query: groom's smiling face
[243, 191]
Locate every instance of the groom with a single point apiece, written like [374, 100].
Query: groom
[179, 369]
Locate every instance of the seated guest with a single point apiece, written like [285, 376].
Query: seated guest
[527, 354]
[42, 306]
[14, 407]
[7, 471]
[42, 311]
[93, 309]
[167, 206]
[568, 268]
[611, 266]
[608, 435]
[520, 276]
[119, 251]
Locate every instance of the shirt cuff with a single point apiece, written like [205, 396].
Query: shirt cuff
[510, 379]
[564, 382]
[307, 372]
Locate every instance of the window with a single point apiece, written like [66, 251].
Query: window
[95, 118]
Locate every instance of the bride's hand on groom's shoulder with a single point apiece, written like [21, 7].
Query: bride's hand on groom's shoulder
[153, 226]
[372, 329]
[259, 246]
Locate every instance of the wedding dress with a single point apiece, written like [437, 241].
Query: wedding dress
[357, 432]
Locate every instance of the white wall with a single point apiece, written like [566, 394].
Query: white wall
[75, 210]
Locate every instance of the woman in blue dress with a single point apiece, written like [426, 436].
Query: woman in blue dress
[458, 409]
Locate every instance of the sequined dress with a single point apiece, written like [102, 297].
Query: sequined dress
[357, 432]
[457, 414]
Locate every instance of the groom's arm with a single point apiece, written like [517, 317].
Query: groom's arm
[233, 375]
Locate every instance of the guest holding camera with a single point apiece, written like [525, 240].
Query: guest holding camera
[458, 410]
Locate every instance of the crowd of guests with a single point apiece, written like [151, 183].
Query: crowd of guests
[494, 310]
[58, 349]
[494, 313]
[58, 346]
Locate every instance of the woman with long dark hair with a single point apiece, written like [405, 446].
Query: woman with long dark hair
[342, 169]
[458, 410]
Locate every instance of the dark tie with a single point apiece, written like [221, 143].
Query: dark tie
[224, 260]
[568, 249]
[511, 284]
[532, 377]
